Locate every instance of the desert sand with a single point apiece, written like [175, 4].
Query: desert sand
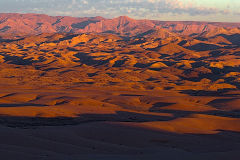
[152, 94]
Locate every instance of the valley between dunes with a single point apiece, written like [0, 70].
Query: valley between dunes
[159, 94]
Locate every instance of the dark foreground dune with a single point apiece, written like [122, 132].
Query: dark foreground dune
[113, 140]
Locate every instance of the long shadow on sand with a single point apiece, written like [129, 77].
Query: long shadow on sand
[218, 93]
[21, 105]
[120, 116]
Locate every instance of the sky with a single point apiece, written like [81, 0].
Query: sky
[172, 10]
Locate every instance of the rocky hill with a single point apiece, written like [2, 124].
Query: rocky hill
[23, 24]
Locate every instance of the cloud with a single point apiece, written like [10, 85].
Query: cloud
[170, 6]
[156, 6]
[113, 8]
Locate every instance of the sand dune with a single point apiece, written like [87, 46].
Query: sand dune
[152, 94]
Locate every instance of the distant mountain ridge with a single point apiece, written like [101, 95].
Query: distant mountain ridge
[24, 24]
